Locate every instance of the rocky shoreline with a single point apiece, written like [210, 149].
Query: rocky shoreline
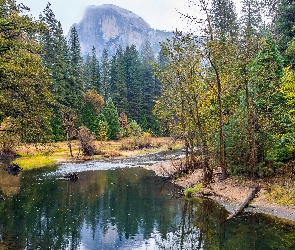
[229, 193]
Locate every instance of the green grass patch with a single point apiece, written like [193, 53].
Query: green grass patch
[189, 192]
[35, 161]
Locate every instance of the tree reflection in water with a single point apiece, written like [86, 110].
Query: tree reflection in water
[126, 208]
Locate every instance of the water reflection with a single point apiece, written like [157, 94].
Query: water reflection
[123, 208]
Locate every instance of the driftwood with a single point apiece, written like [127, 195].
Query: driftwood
[245, 203]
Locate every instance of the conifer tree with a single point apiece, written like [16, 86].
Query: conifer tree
[56, 59]
[251, 17]
[102, 128]
[111, 114]
[76, 69]
[148, 87]
[285, 28]
[118, 81]
[105, 75]
[94, 71]
[134, 88]
[266, 72]
[224, 18]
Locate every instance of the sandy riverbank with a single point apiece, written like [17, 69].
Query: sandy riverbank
[231, 192]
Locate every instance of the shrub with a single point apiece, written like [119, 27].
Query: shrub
[86, 140]
[189, 192]
[141, 142]
[133, 129]
[8, 140]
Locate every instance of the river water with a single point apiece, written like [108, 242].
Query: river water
[120, 205]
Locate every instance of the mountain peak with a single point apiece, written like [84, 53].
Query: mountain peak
[108, 26]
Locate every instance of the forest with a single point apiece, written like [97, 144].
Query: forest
[227, 88]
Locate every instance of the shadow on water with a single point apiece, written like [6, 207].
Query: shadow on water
[113, 207]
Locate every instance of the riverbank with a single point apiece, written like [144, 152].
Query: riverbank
[231, 192]
[43, 155]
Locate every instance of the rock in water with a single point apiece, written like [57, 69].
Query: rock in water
[14, 169]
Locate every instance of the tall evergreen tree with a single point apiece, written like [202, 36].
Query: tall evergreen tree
[251, 18]
[105, 75]
[56, 56]
[265, 79]
[134, 88]
[91, 71]
[285, 28]
[76, 69]
[111, 114]
[147, 120]
[224, 18]
[94, 71]
[118, 81]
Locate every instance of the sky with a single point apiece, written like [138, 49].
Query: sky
[159, 14]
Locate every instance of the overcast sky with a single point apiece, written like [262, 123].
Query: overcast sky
[159, 14]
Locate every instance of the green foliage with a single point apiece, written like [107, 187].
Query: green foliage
[102, 128]
[189, 192]
[111, 114]
[133, 129]
[285, 21]
[25, 83]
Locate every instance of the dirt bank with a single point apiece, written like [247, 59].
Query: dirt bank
[230, 192]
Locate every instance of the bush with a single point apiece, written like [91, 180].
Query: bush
[189, 192]
[8, 140]
[133, 129]
[86, 140]
[133, 143]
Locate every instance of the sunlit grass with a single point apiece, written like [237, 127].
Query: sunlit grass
[35, 161]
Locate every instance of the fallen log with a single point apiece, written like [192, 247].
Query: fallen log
[245, 203]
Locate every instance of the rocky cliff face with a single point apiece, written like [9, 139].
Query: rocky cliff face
[108, 26]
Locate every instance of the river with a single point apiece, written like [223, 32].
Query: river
[117, 204]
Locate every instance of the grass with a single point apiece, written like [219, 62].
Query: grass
[189, 192]
[35, 161]
[44, 155]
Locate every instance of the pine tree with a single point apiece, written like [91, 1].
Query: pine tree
[251, 17]
[284, 28]
[105, 75]
[266, 72]
[102, 128]
[147, 120]
[94, 71]
[76, 69]
[134, 88]
[118, 81]
[224, 18]
[56, 59]
[111, 114]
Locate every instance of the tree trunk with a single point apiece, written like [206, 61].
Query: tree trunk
[245, 203]
[69, 145]
[251, 131]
